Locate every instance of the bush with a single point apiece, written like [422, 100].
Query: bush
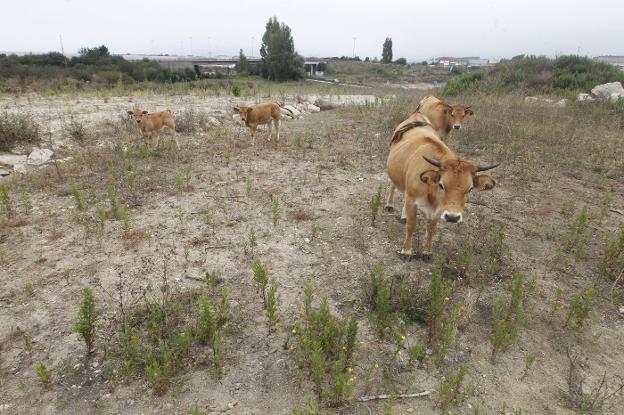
[17, 129]
[85, 326]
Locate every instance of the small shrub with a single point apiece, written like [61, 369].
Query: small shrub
[380, 298]
[579, 235]
[439, 294]
[78, 198]
[44, 375]
[275, 208]
[581, 310]
[449, 391]
[271, 305]
[87, 316]
[18, 129]
[77, 130]
[613, 255]
[261, 277]
[5, 200]
[375, 203]
[236, 90]
[253, 243]
[509, 317]
[324, 344]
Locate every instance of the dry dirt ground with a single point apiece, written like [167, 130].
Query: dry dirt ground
[192, 211]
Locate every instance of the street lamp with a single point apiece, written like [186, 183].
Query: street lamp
[354, 38]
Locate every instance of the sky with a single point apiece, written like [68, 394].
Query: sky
[419, 29]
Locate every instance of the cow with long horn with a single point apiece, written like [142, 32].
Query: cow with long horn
[433, 179]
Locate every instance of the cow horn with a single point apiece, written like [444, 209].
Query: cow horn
[488, 167]
[433, 161]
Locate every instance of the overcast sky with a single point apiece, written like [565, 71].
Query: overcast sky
[419, 29]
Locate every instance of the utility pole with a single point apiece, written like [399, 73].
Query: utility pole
[209, 48]
[252, 47]
[62, 48]
[191, 45]
[354, 38]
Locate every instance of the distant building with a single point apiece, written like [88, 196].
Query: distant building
[470, 61]
[613, 60]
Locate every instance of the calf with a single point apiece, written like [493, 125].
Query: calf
[152, 122]
[433, 179]
[260, 114]
[443, 117]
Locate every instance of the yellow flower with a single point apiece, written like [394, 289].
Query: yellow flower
[399, 353]
[349, 370]
[290, 349]
[376, 365]
[352, 379]
[294, 331]
[402, 337]
[446, 298]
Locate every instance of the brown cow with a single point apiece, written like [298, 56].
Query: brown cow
[152, 122]
[260, 114]
[433, 179]
[443, 117]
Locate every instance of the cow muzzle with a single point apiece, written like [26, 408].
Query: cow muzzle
[452, 217]
[457, 126]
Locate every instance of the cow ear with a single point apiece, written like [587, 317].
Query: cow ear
[130, 112]
[144, 112]
[469, 112]
[236, 109]
[483, 182]
[430, 176]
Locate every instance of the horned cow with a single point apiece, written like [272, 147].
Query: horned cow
[266, 113]
[432, 177]
[443, 117]
[151, 123]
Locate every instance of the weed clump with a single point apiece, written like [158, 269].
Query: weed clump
[324, 344]
[581, 311]
[18, 129]
[87, 317]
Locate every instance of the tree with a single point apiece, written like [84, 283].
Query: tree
[243, 66]
[386, 53]
[401, 61]
[280, 61]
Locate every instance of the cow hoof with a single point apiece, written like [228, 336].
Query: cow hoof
[389, 209]
[403, 220]
[406, 255]
[426, 256]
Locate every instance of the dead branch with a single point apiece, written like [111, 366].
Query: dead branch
[399, 396]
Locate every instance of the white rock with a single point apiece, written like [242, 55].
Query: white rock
[294, 111]
[213, 121]
[538, 100]
[11, 159]
[562, 103]
[605, 92]
[4, 172]
[621, 310]
[20, 168]
[40, 156]
[582, 97]
[615, 97]
[312, 108]
[285, 114]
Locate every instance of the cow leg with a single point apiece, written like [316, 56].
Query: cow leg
[432, 224]
[410, 227]
[175, 137]
[270, 131]
[276, 121]
[404, 212]
[390, 200]
[253, 134]
[156, 139]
